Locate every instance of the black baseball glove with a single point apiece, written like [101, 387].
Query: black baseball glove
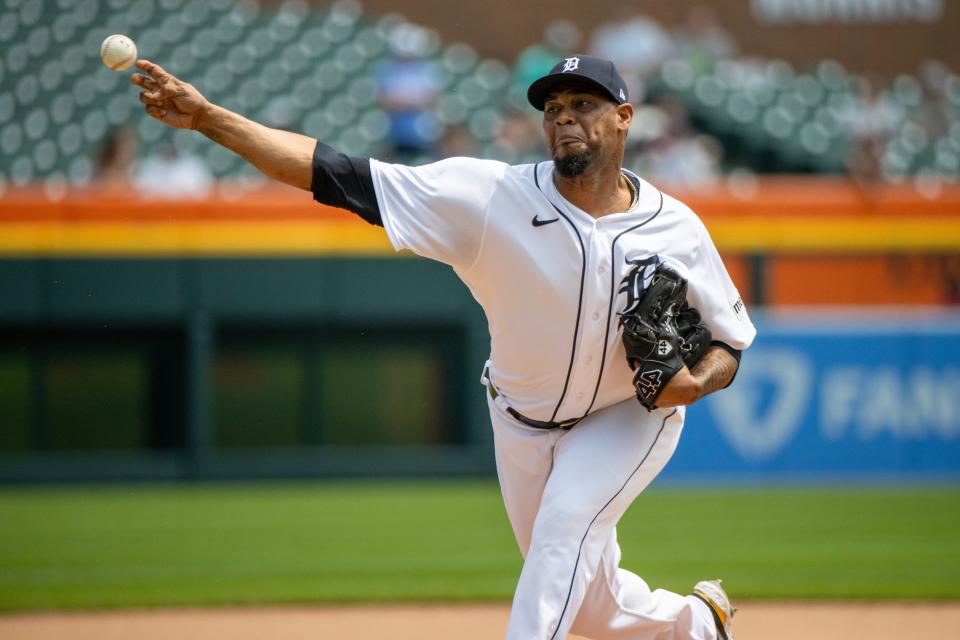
[661, 334]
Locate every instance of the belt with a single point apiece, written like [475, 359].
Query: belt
[530, 422]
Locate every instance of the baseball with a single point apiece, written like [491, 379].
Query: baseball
[118, 52]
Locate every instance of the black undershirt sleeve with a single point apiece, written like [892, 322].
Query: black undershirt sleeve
[734, 352]
[345, 182]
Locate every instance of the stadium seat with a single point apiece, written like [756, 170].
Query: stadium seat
[310, 68]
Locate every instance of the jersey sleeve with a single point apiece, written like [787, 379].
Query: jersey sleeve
[438, 210]
[711, 291]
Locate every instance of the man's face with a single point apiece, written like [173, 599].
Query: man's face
[581, 126]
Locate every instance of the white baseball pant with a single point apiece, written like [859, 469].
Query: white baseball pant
[564, 493]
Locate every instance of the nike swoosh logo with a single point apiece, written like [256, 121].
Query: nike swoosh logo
[537, 222]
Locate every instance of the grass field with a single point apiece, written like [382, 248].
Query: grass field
[342, 542]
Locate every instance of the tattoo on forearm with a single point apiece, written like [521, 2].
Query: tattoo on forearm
[715, 370]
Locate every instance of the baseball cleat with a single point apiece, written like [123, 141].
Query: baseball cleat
[713, 595]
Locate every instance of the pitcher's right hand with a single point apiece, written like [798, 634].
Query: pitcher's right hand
[169, 99]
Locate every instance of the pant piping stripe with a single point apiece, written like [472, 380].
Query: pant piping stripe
[587, 532]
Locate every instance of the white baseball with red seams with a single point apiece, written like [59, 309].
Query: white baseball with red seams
[118, 52]
[551, 279]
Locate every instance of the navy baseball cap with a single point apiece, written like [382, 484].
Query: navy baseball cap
[597, 72]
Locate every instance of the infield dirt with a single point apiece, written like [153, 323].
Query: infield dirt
[754, 621]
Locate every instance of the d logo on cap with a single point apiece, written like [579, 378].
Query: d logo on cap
[597, 73]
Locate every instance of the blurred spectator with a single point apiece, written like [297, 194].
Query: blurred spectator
[703, 41]
[936, 113]
[408, 86]
[174, 174]
[668, 151]
[457, 142]
[636, 43]
[870, 122]
[935, 75]
[685, 161]
[115, 161]
[519, 138]
[561, 38]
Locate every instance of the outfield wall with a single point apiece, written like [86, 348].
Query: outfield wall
[834, 394]
[268, 336]
[238, 393]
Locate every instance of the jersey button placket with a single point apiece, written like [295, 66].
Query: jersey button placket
[592, 340]
[574, 404]
[600, 315]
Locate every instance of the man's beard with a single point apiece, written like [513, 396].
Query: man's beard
[573, 165]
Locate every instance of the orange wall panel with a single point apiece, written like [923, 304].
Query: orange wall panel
[862, 280]
[739, 269]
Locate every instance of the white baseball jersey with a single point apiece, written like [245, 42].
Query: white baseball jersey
[550, 277]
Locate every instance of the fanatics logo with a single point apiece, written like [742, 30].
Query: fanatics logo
[571, 64]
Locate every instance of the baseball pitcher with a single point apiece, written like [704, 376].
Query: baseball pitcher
[609, 311]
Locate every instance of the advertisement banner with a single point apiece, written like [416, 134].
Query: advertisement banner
[831, 395]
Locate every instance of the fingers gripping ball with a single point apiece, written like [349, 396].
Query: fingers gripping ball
[661, 334]
[118, 52]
